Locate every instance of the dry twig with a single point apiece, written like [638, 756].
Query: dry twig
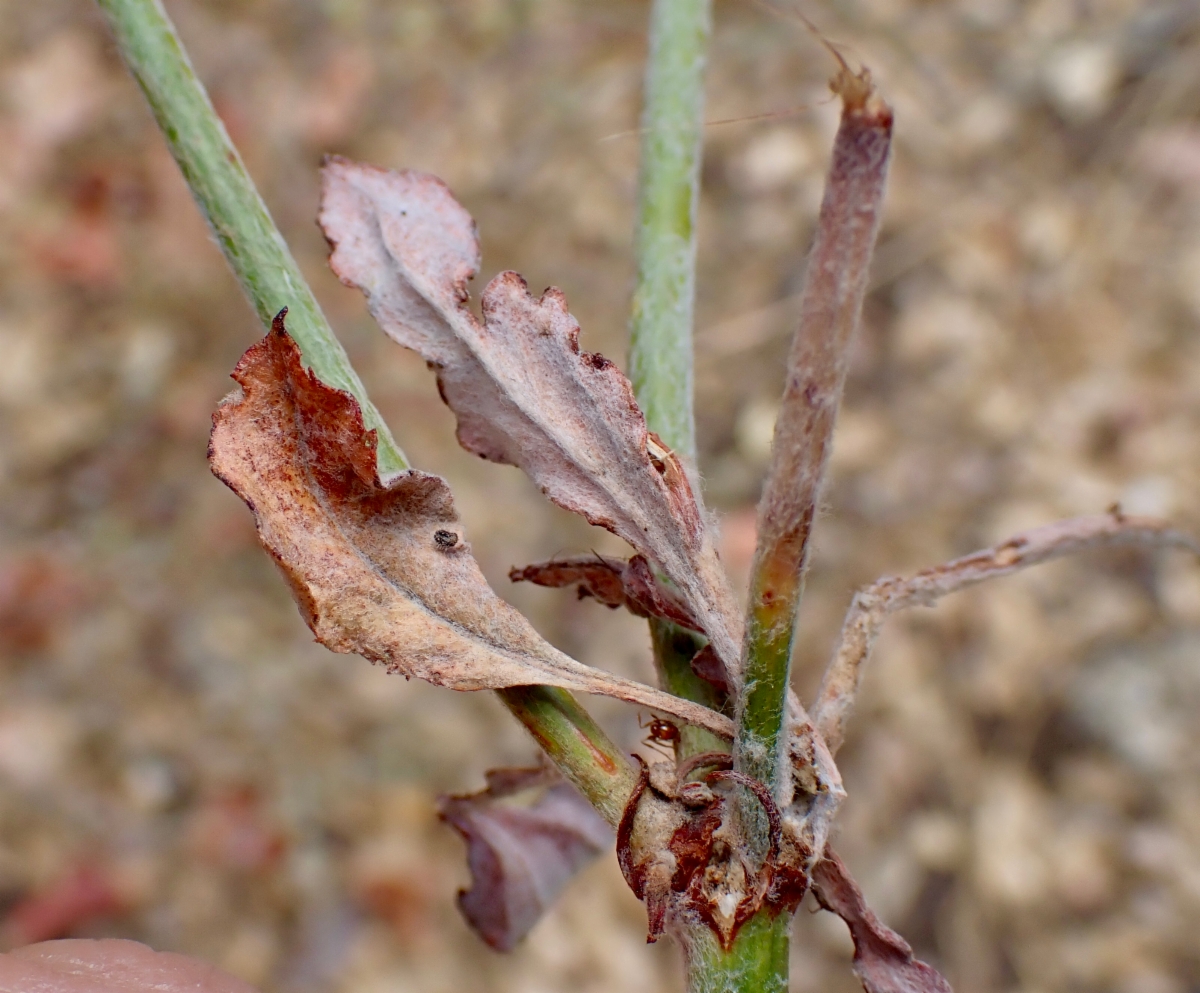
[874, 604]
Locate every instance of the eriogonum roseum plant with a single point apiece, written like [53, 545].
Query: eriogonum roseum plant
[723, 840]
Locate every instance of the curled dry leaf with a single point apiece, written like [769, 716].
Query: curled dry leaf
[817, 789]
[614, 582]
[873, 605]
[527, 835]
[381, 570]
[883, 961]
[522, 390]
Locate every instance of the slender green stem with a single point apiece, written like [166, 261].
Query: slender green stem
[660, 355]
[271, 279]
[229, 201]
[576, 744]
[661, 369]
[660, 333]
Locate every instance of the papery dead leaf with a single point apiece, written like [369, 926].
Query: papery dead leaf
[521, 855]
[382, 571]
[874, 604]
[613, 582]
[523, 392]
[883, 961]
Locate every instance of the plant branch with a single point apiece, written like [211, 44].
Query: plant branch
[576, 744]
[227, 197]
[673, 650]
[259, 257]
[660, 365]
[834, 287]
[660, 352]
[660, 332]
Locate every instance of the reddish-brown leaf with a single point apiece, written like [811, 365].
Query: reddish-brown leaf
[882, 959]
[527, 835]
[614, 582]
[380, 570]
[522, 390]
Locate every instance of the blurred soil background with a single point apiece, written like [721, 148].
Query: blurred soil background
[179, 763]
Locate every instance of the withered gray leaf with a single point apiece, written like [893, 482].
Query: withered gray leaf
[521, 854]
[523, 392]
[380, 570]
[883, 961]
[873, 605]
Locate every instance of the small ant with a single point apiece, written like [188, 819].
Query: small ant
[659, 732]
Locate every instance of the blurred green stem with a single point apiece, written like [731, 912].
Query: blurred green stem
[660, 352]
[260, 259]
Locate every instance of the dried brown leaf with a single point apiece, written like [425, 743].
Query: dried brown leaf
[883, 961]
[873, 605]
[521, 854]
[523, 392]
[381, 570]
[613, 582]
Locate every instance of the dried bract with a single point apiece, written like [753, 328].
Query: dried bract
[522, 390]
[680, 851]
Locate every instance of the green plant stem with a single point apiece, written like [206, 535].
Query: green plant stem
[660, 366]
[660, 355]
[227, 197]
[758, 748]
[660, 330]
[576, 744]
[756, 963]
[673, 650]
[264, 266]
